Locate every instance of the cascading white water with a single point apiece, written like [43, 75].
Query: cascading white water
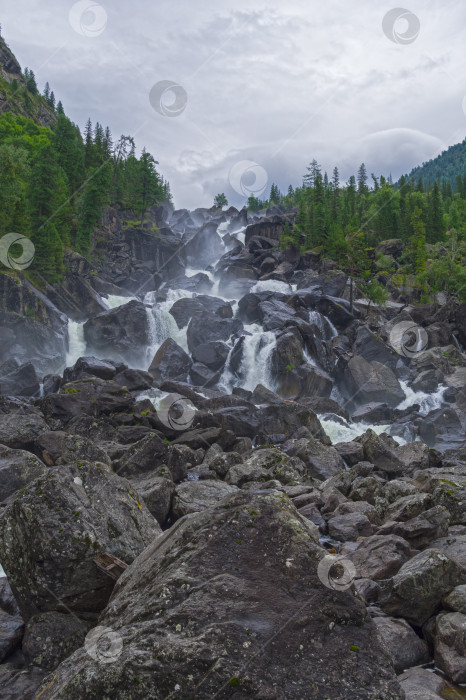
[162, 325]
[346, 432]
[255, 363]
[309, 360]
[427, 402]
[113, 300]
[77, 343]
[214, 292]
[324, 325]
[272, 286]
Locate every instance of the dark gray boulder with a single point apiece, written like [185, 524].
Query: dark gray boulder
[20, 424]
[210, 327]
[17, 468]
[58, 447]
[121, 333]
[22, 380]
[213, 354]
[89, 367]
[170, 362]
[51, 533]
[89, 397]
[51, 637]
[216, 633]
[367, 382]
[405, 647]
[418, 588]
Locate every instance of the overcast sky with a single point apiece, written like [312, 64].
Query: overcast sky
[274, 84]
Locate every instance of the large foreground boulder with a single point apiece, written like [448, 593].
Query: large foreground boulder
[229, 604]
[51, 533]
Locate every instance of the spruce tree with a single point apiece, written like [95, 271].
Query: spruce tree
[148, 191]
[362, 180]
[88, 146]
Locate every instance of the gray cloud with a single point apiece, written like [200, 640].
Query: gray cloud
[271, 83]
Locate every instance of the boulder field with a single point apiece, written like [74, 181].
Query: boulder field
[175, 519]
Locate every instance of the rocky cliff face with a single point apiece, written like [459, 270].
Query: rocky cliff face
[34, 107]
[9, 66]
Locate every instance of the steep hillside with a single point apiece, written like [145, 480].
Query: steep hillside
[447, 166]
[16, 95]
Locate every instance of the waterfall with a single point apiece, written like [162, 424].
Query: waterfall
[162, 325]
[77, 343]
[255, 363]
[113, 300]
[324, 324]
[427, 402]
[341, 431]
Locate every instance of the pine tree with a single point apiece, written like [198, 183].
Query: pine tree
[52, 100]
[362, 180]
[317, 216]
[88, 145]
[30, 81]
[60, 109]
[107, 144]
[148, 192]
[220, 201]
[312, 170]
[46, 92]
[274, 194]
[335, 194]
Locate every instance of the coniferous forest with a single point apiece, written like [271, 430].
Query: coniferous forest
[55, 182]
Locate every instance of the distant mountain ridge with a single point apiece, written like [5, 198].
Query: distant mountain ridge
[447, 166]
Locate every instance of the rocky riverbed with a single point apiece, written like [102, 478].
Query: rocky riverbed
[274, 476]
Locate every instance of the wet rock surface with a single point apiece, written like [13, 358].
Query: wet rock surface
[191, 442]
